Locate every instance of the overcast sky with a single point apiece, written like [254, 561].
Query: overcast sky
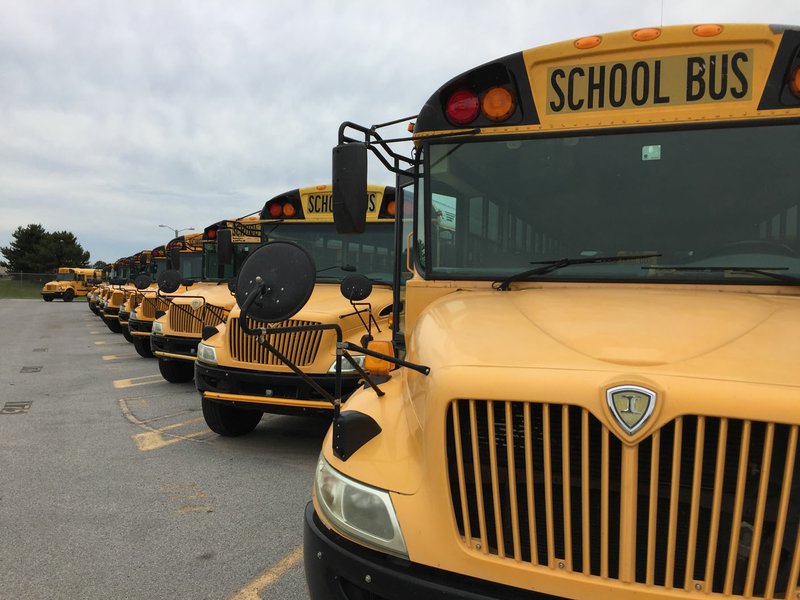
[118, 116]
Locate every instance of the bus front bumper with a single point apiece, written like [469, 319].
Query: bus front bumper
[283, 393]
[173, 347]
[339, 569]
[139, 327]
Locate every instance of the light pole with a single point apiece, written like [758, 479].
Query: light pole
[177, 231]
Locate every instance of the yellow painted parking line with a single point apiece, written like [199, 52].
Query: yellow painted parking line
[269, 577]
[154, 440]
[134, 381]
[100, 343]
[111, 357]
[94, 333]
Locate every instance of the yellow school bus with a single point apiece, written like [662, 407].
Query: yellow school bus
[239, 379]
[122, 273]
[157, 264]
[176, 333]
[70, 283]
[610, 323]
[96, 286]
[182, 253]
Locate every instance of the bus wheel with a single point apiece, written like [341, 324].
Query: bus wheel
[48, 298]
[229, 420]
[176, 371]
[126, 333]
[69, 294]
[113, 325]
[142, 346]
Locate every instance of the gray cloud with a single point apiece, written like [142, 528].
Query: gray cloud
[116, 117]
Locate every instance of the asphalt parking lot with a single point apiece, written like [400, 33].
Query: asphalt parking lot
[112, 486]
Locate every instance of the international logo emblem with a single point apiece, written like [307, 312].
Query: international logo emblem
[631, 406]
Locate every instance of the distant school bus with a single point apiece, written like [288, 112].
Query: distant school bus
[183, 254]
[239, 379]
[176, 333]
[611, 323]
[70, 283]
[158, 263]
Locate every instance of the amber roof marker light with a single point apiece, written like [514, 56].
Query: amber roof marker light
[707, 30]
[647, 34]
[588, 42]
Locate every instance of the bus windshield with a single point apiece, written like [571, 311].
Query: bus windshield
[159, 266]
[65, 276]
[191, 265]
[369, 253]
[213, 271]
[702, 200]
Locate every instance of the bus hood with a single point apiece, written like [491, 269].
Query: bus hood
[327, 305]
[732, 336]
[218, 295]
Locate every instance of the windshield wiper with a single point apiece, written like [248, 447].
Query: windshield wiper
[765, 271]
[549, 266]
[347, 268]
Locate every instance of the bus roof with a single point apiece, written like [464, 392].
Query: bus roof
[626, 79]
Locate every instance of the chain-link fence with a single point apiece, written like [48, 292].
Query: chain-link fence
[23, 285]
[38, 278]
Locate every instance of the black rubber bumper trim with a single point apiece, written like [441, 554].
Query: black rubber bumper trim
[336, 568]
[227, 380]
[140, 326]
[174, 345]
[111, 311]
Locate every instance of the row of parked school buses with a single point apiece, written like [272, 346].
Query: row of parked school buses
[577, 373]
[177, 304]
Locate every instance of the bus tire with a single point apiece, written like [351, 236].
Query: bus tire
[47, 298]
[142, 346]
[69, 295]
[127, 334]
[176, 371]
[113, 325]
[229, 421]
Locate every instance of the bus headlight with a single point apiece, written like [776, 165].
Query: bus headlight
[206, 354]
[359, 511]
[158, 328]
[134, 316]
[346, 366]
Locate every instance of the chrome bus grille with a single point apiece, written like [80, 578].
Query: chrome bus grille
[150, 305]
[192, 320]
[703, 504]
[299, 346]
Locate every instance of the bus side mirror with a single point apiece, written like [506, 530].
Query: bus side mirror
[224, 247]
[174, 258]
[350, 187]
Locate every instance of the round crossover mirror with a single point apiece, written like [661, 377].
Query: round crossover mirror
[169, 281]
[287, 275]
[142, 282]
[356, 287]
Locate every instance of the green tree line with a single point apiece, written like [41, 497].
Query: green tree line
[35, 250]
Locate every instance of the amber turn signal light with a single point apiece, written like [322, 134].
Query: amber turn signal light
[498, 104]
[378, 366]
